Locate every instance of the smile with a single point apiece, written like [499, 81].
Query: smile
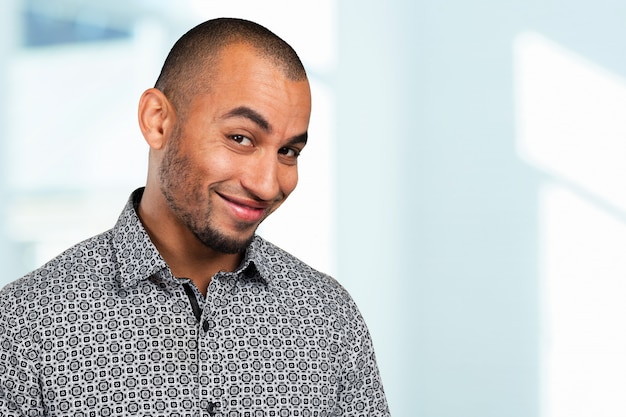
[245, 210]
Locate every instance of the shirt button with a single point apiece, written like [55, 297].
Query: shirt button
[205, 326]
[212, 408]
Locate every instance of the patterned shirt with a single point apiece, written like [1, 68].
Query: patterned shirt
[105, 329]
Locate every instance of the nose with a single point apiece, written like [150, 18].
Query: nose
[261, 177]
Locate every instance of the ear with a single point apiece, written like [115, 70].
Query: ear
[156, 118]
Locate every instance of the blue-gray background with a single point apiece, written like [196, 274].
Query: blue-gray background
[436, 214]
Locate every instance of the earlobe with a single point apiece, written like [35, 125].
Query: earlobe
[156, 115]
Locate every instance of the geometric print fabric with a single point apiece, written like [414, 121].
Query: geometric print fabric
[105, 329]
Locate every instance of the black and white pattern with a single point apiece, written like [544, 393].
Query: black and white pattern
[105, 329]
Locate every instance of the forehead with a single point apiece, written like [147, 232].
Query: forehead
[242, 76]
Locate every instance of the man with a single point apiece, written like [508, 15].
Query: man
[180, 309]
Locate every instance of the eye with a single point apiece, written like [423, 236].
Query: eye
[289, 152]
[242, 140]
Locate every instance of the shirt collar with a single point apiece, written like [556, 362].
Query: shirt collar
[138, 258]
[136, 255]
[256, 262]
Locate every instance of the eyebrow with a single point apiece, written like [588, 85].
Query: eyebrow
[256, 118]
[251, 115]
[300, 139]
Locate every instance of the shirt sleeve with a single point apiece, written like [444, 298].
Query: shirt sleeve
[20, 393]
[361, 392]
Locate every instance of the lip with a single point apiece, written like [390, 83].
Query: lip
[244, 209]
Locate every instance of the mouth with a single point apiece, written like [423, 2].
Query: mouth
[245, 210]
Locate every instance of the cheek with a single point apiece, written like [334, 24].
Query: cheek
[289, 180]
[216, 168]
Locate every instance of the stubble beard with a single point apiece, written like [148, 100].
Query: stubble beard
[175, 180]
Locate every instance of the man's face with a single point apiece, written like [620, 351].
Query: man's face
[233, 159]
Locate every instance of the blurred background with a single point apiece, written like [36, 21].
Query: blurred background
[465, 177]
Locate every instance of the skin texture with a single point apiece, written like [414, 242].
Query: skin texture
[215, 175]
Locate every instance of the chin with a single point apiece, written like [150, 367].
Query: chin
[221, 242]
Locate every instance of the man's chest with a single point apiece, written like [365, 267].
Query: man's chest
[148, 354]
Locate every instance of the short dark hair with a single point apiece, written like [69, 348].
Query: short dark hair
[198, 49]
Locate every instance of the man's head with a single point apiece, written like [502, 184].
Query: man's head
[188, 67]
[225, 124]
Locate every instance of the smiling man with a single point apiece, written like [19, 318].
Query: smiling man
[181, 309]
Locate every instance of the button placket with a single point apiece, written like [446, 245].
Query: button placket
[210, 365]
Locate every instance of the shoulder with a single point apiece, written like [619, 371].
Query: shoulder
[278, 264]
[91, 259]
[294, 277]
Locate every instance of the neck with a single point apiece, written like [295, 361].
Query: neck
[185, 255]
